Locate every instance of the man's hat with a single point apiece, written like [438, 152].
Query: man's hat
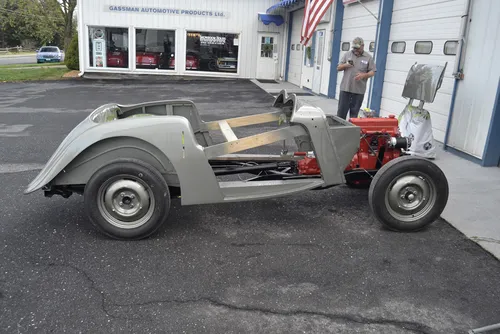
[357, 42]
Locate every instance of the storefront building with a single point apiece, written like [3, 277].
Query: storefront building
[202, 38]
[260, 39]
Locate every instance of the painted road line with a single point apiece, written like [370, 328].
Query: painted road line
[16, 168]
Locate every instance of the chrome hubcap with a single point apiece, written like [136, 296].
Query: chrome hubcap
[126, 202]
[410, 196]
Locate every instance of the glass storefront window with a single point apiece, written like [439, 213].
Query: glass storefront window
[212, 51]
[108, 47]
[154, 49]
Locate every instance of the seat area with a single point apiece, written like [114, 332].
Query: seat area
[185, 109]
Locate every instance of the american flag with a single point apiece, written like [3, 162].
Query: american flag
[313, 12]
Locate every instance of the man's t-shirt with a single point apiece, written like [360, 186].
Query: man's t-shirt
[363, 64]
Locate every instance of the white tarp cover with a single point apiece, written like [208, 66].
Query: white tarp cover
[415, 124]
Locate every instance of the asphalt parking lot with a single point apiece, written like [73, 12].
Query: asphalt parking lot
[311, 263]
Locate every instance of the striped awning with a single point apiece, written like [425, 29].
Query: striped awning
[283, 4]
[270, 18]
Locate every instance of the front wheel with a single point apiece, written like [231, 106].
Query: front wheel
[408, 193]
[127, 199]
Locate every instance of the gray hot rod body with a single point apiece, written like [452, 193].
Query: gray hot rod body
[170, 136]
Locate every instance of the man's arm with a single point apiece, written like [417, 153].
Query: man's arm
[343, 64]
[343, 67]
[371, 71]
[364, 76]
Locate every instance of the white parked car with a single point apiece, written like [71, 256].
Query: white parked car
[49, 54]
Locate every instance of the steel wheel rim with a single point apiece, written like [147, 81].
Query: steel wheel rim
[126, 201]
[410, 196]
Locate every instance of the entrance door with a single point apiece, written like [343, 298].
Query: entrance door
[318, 60]
[267, 59]
[295, 49]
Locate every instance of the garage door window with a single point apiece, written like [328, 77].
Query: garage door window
[154, 49]
[398, 47]
[213, 51]
[108, 47]
[372, 46]
[423, 47]
[345, 46]
[450, 48]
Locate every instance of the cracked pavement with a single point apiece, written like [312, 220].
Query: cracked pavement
[316, 262]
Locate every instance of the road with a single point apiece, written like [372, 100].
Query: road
[10, 60]
[316, 262]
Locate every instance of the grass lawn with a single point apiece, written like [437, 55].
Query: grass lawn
[28, 74]
[31, 65]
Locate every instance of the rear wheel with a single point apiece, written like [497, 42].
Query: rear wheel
[127, 199]
[408, 193]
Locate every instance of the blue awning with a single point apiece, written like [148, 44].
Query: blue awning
[282, 3]
[269, 18]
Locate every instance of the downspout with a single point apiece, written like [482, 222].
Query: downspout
[289, 39]
[458, 70]
[285, 46]
[81, 34]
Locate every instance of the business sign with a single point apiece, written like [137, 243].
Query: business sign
[212, 40]
[166, 11]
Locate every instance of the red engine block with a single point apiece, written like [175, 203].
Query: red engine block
[308, 165]
[375, 137]
[374, 146]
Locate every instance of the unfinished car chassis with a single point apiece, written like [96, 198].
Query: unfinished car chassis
[130, 161]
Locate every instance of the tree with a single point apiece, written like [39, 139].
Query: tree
[72, 56]
[28, 20]
[68, 9]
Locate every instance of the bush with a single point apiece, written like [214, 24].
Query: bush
[71, 57]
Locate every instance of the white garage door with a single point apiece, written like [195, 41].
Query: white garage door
[358, 22]
[419, 33]
[476, 93]
[295, 48]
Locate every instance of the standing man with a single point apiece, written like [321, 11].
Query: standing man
[358, 66]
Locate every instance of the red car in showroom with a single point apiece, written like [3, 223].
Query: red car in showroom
[147, 60]
[192, 62]
[117, 59]
[142, 59]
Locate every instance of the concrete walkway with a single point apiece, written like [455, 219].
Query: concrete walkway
[474, 201]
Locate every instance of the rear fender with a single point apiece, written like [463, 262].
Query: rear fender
[79, 170]
[173, 136]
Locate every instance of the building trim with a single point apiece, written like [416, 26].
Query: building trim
[463, 155]
[289, 41]
[452, 108]
[313, 51]
[381, 47]
[491, 154]
[337, 37]
[370, 89]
